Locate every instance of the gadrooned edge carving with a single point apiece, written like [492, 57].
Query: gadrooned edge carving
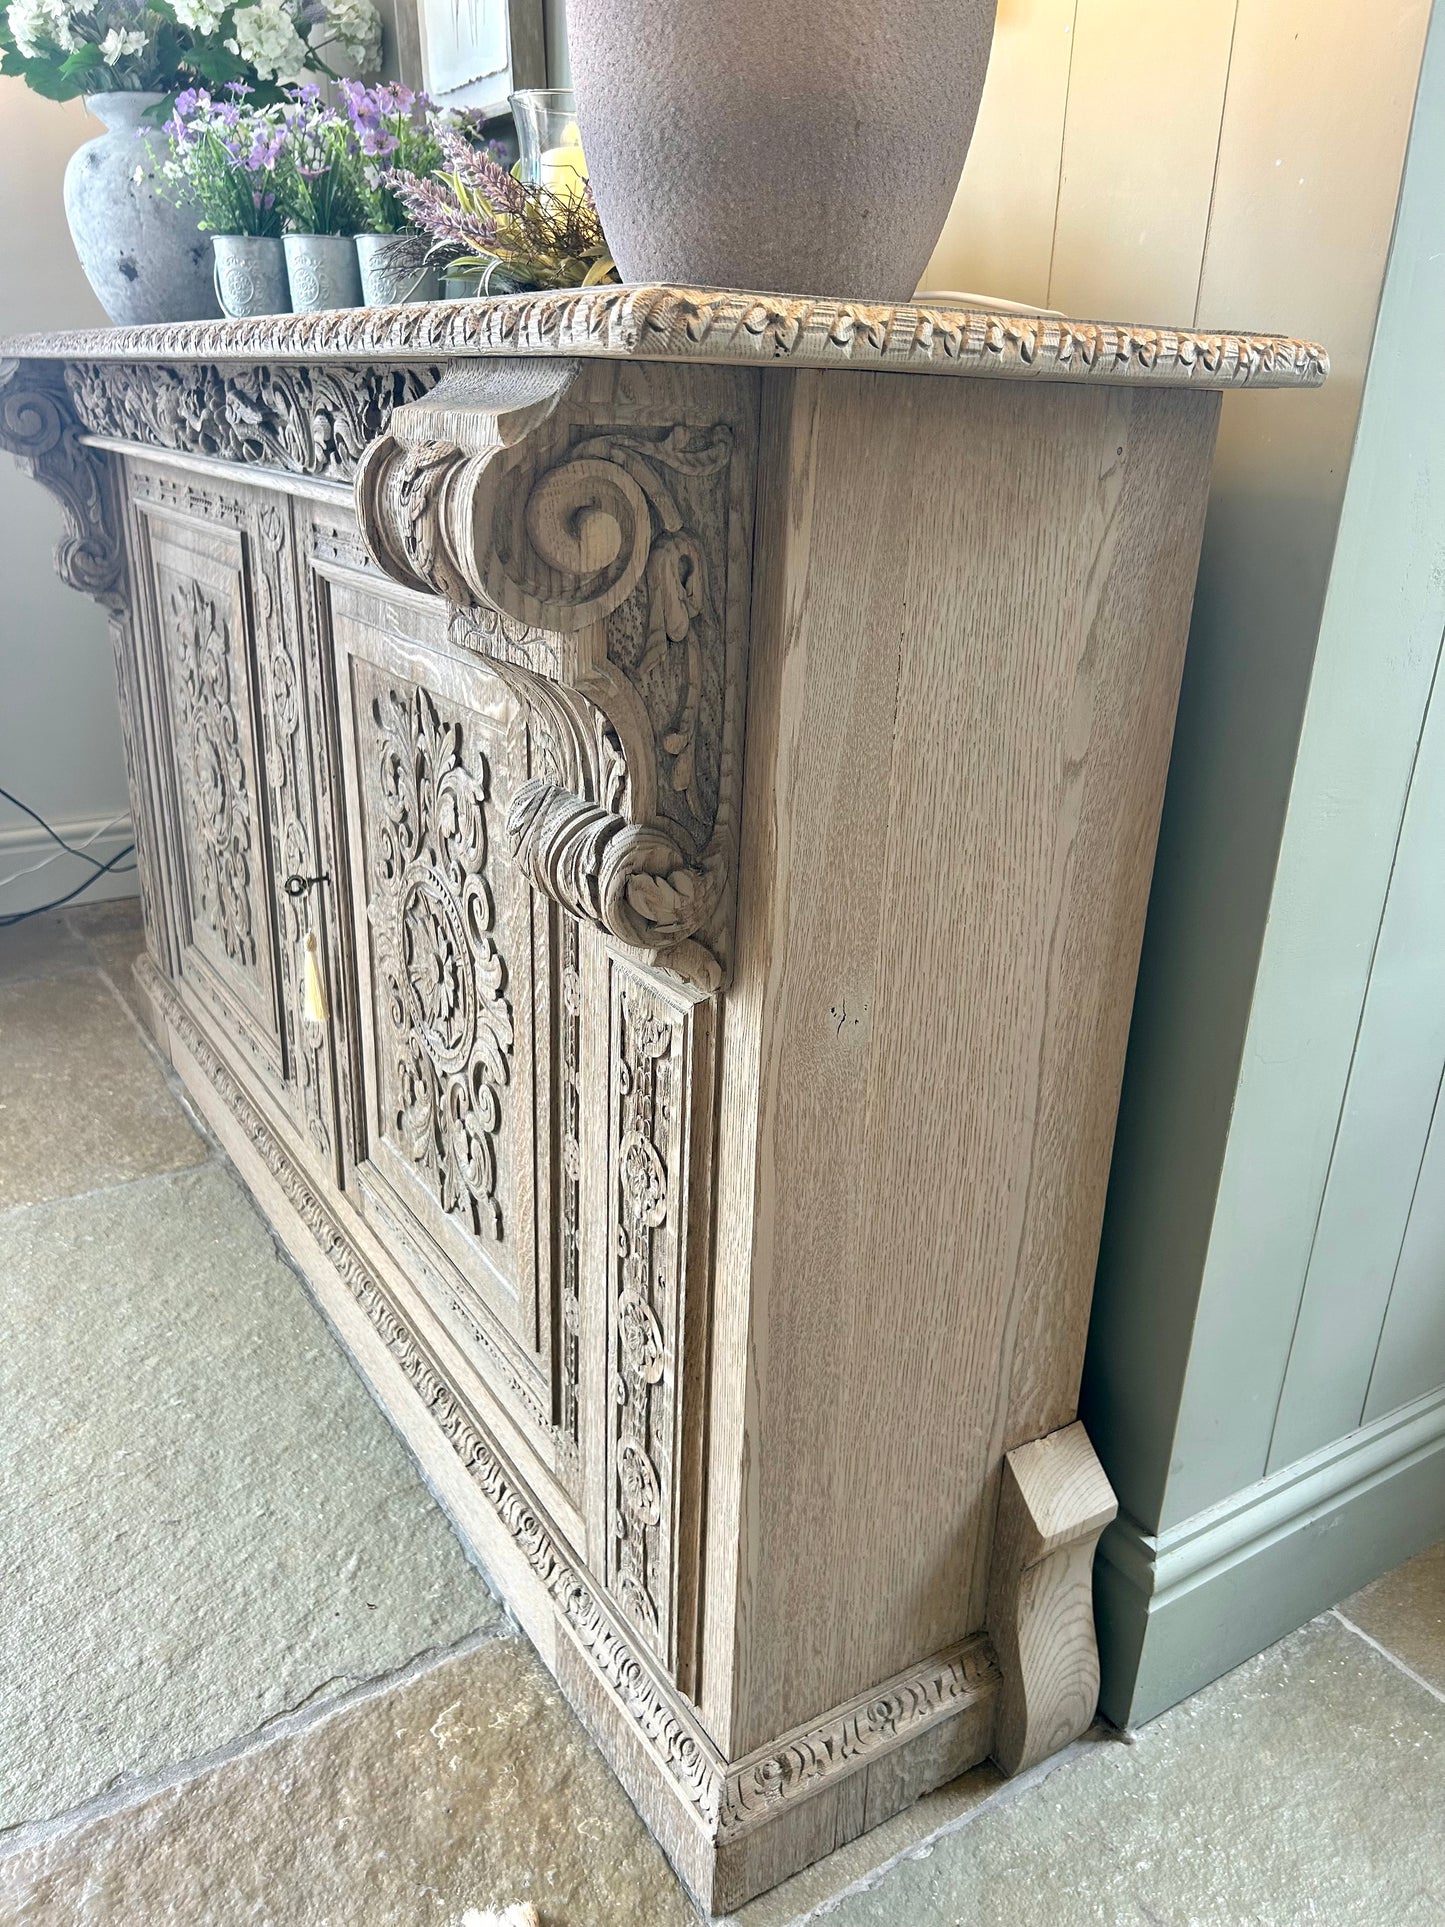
[729, 1800]
[38, 427]
[685, 324]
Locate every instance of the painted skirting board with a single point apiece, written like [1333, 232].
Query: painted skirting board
[1178, 1609]
[24, 844]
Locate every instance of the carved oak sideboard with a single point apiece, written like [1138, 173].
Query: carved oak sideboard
[645, 802]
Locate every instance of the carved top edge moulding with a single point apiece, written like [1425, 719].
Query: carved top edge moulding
[700, 324]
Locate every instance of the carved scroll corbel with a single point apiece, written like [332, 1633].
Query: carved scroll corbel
[589, 558]
[39, 429]
[1054, 1501]
[632, 880]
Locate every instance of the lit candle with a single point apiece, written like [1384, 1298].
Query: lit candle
[563, 170]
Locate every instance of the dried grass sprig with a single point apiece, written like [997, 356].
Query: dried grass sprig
[483, 218]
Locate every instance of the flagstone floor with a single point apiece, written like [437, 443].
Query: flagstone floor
[247, 1674]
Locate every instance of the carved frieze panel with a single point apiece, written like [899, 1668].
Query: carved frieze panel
[659, 1123]
[307, 421]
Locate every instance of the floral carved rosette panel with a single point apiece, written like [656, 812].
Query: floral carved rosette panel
[441, 977]
[660, 1105]
[209, 700]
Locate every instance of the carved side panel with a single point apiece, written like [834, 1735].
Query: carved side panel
[660, 1119]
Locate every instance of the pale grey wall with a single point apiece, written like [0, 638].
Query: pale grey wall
[1271, 1308]
[59, 733]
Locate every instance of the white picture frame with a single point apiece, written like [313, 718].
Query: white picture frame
[476, 52]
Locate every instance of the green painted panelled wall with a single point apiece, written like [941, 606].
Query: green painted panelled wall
[1296, 1444]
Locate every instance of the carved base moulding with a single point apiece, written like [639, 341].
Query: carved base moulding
[645, 815]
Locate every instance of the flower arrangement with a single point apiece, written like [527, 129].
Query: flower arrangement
[394, 135]
[320, 183]
[64, 48]
[225, 158]
[387, 164]
[506, 234]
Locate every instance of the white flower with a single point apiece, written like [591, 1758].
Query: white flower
[201, 16]
[266, 36]
[349, 36]
[38, 23]
[117, 44]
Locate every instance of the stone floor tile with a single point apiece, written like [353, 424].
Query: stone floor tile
[467, 1788]
[1302, 1790]
[1406, 1612]
[104, 919]
[39, 947]
[82, 1102]
[116, 951]
[204, 1519]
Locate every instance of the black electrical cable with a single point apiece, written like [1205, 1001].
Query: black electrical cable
[54, 834]
[100, 869]
[19, 916]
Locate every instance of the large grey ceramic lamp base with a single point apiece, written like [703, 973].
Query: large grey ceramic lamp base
[744, 144]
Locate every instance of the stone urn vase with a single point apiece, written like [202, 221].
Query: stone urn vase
[146, 258]
[748, 144]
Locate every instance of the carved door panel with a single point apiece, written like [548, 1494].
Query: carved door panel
[218, 614]
[462, 976]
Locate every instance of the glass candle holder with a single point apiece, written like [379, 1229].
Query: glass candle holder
[547, 135]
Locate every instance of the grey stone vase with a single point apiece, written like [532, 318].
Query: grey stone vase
[748, 144]
[146, 258]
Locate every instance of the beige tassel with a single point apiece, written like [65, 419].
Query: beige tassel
[315, 1000]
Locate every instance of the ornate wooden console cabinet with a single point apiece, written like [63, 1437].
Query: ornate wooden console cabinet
[645, 806]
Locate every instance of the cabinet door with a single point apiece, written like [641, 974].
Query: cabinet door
[466, 1002]
[218, 654]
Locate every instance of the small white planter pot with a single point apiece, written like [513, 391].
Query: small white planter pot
[323, 272]
[250, 274]
[391, 271]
